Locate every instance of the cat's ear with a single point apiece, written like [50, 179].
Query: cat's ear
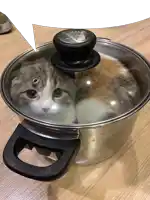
[41, 60]
[15, 81]
[14, 74]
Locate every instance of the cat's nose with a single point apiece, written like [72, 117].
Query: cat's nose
[45, 110]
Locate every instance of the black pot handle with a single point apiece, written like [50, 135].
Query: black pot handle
[22, 137]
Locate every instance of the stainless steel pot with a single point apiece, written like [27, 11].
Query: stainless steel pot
[88, 138]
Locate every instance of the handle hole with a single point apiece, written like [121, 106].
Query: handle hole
[37, 157]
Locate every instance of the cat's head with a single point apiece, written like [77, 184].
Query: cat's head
[41, 89]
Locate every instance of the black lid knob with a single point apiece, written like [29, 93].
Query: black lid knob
[75, 49]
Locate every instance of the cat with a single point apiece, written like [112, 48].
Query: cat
[42, 91]
[105, 91]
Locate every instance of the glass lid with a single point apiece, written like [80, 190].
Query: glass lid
[77, 79]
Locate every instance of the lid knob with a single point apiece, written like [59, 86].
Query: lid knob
[75, 50]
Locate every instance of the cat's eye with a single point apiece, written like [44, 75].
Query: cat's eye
[35, 81]
[31, 94]
[58, 93]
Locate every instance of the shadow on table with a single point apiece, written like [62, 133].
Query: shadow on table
[87, 181]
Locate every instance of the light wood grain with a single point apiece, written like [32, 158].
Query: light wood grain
[125, 176]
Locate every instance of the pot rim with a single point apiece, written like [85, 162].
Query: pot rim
[139, 106]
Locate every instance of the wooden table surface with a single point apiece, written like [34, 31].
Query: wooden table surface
[124, 176]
